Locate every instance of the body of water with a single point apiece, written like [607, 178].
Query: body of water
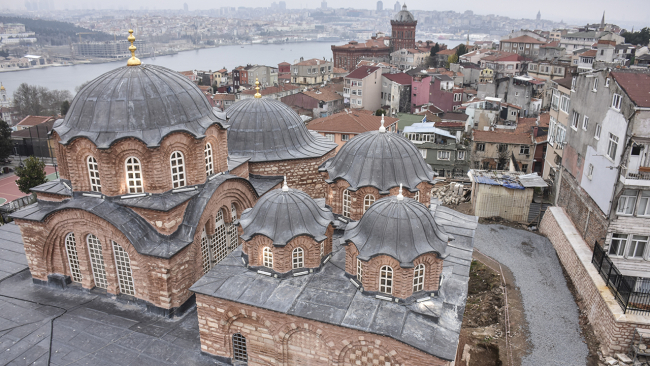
[68, 77]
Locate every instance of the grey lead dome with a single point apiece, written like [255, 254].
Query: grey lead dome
[380, 160]
[146, 102]
[404, 15]
[283, 215]
[401, 228]
[269, 130]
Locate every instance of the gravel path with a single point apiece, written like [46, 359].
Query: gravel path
[550, 310]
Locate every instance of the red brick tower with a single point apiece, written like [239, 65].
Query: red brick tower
[403, 30]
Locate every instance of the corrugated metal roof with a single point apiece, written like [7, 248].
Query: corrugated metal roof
[512, 180]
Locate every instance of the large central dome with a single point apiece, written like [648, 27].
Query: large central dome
[146, 102]
[404, 16]
[269, 130]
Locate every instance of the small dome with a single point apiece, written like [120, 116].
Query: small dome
[379, 159]
[284, 214]
[398, 227]
[146, 102]
[404, 16]
[269, 130]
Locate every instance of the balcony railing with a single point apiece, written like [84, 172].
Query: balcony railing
[638, 175]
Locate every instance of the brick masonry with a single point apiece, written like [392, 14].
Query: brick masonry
[274, 338]
[613, 328]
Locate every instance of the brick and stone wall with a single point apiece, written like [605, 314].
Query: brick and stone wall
[334, 197]
[613, 328]
[274, 338]
[301, 174]
[155, 162]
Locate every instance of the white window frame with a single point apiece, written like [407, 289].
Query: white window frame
[460, 155]
[585, 123]
[345, 137]
[133, 169]
[524, 150]
[97, 261]
[93, 174]
[329, 136]
[633, 244]
[359, 271]
[267, 257]
[574, 120]
[177, 165]
[619, 249]
[123, 269]
[418, 277]
[73, 258]
[209, 166]
[565, 103]
[298, 258]
[416, 196]
[612, 146]
[595, 88]
[444, 155]
[368, 200]
[627, 202]
[386, 280]
[616, 101]
[643, 208]
[347, 203]
[597, 132]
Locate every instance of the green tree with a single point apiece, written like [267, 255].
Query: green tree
[31, 174]
[461, 50]
[65, 106]
[432, 55]
[641, 37]
[6, 145]
[380, 112]
[452, 59]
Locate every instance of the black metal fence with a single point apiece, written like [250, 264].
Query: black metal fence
[632, 293]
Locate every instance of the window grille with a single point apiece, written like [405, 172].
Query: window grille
[134, 175]
[93, 172]
[418, 278]
[178, 169]
[209, 167]
[368, 200]
[268, 257]
[359, 271]
[346, 203]
[417, 196]
[123, 266]
[205, 252]
[386, 280]
[233, 234]
[298, 258]
[239, 351]
[73, 257]
[322, 248]
[219, 240]
[97, 261]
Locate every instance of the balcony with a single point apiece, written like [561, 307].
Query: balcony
[636, 177]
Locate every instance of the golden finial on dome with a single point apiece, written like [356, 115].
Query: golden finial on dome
[2, 87]
[257, 88]
[133, 61]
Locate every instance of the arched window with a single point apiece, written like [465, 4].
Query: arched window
[124, 274]
[367, 201]
[73, 257]
[359, 271]
[233, 234]
[178, 169]
[219, 240]
[386, 280]
[268, 257]
[93, 173]
[322, 248]
[205, 252]
[417, 196]
[239, 351]
[209, 167]
[134, 175]
[298, 258]
[347, 201]
[97, 261]
[418, 278]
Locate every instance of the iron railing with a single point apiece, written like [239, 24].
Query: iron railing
[631, 293]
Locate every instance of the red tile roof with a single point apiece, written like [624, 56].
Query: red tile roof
[590, 53]
[446, 52]
[400, 78]
[324, 95]
[311, 62]
[636, 85]
[523, 39]
[376, 43]
[352, 122]
[222, 96]
[34, 120]
[361, 72]
[502, 137]
[450, 116]
[502, 56]
[338, 70]
[284, 63]
[26, 133]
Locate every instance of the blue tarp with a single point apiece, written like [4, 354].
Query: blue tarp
[505, 181]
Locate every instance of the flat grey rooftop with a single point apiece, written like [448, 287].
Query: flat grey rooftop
[12, 251]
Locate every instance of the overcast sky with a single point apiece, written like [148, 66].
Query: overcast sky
[636, 12]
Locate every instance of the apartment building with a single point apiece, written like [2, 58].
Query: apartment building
[495, 150]
[409, 58]
[396, 93]
[311, 72]
[362, 88]
[558, 124]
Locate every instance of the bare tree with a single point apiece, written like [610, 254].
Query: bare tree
[38, 100]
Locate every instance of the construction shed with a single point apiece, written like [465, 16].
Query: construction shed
[502, 193]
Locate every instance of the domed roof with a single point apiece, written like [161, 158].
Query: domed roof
[398, 227]
[269, 130]
[404, 15]
[146, 102]
[379, 159]
[284, 214]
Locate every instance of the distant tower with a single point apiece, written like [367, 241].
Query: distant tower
[323, 4]
[185, 7]
[282, 5]
[380, 6]
[602, 21]
[397, 6]
[403, 30]
[539, 15]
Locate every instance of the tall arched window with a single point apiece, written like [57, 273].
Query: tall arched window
[134, 175]
[239, 351]
[298, 258]
[178, 169]
[124, 274]
[93, 173]
[267, 257]
[73, 257]
[417, 196]
[219, 240]
[359, 271]
[209, 167]
[347, 201]
[205, 252]
[386, 280]
[418, 278]
[367, 201]
[97, 261]
[232, 230]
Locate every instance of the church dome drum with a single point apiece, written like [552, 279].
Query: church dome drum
[404, 16]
